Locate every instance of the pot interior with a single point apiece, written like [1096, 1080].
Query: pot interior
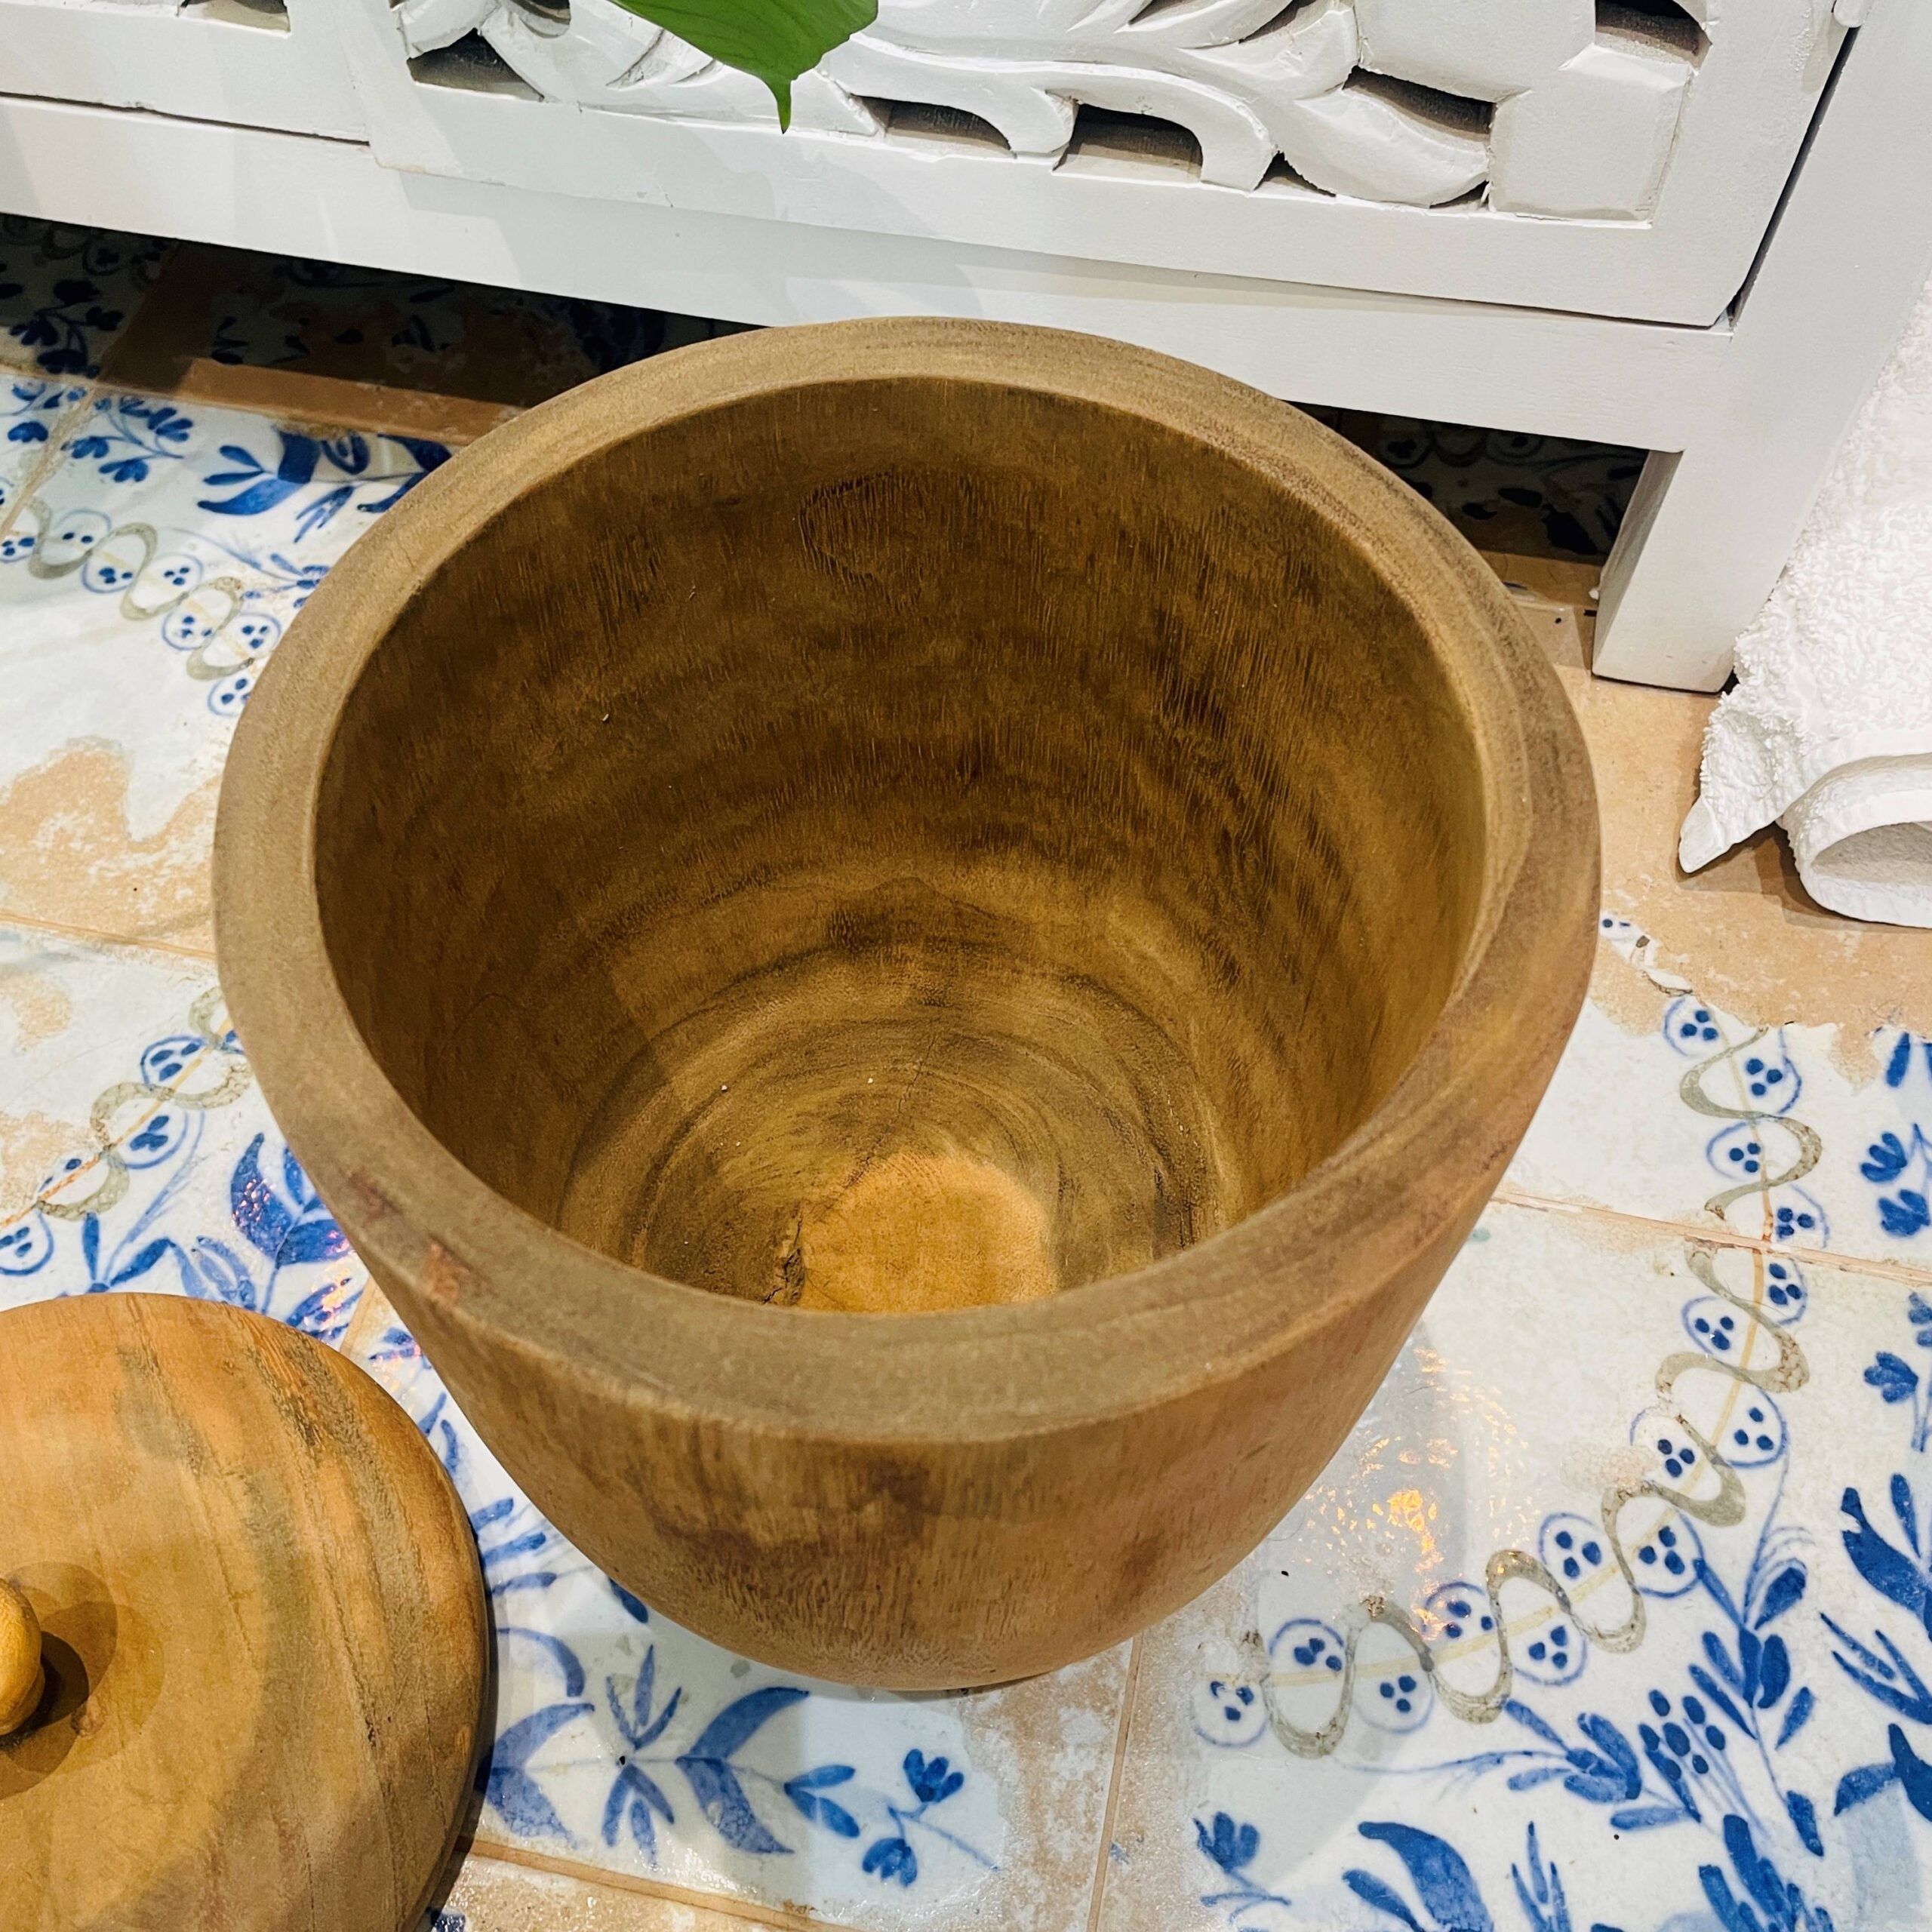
[900, 845]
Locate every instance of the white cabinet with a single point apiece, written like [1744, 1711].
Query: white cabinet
[1533, 151]
[1694, 227]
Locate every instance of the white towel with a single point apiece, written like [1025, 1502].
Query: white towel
[1828, 729]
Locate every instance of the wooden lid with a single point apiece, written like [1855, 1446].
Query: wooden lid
[261, 1621]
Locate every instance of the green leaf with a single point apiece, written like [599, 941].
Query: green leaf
[775, 40]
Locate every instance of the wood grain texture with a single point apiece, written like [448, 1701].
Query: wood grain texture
[909, 946]
[263, 1630]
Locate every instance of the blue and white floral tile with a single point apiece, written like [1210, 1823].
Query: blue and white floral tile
[1666, 1106]
[135, 1152]
[67, 293]
[143, 581]
[1611, 1613]
[625, 1743]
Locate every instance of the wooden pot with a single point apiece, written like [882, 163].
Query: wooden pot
[908, 946]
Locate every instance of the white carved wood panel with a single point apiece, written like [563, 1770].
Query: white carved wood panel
[1593, 106]
[1621, 159]
[1614, 159]
[242, 61]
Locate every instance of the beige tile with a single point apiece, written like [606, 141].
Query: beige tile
[1566, 582]
[68, 855]
[1743, 930]
[488, 1893]
[151, 566]
[1535, 1426]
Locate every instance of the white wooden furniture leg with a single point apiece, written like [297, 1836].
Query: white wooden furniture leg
[1710, 528]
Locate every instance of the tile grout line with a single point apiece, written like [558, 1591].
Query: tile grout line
[727, 1905]
[94, 935]
[1129, 1693]
[1910, 1273]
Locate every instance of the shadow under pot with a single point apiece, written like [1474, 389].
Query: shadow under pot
[908, 946]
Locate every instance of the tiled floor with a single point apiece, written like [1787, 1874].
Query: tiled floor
[1613, 1613]
[66, 294]
[373, 348]
[1520, 495]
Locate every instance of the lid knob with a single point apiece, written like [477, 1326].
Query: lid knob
[22, 1678]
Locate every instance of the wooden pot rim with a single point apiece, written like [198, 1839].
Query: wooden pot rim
[1409, 1180]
